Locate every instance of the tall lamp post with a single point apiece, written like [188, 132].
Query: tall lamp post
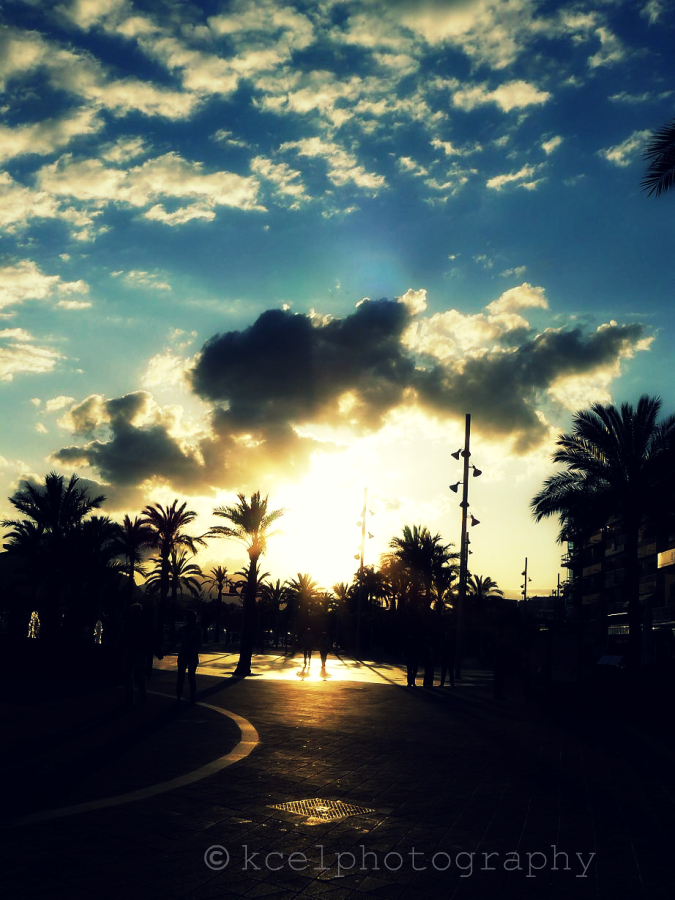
[526, 625]
[360, 556]
[464, 542]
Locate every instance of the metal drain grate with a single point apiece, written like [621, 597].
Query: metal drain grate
[322, 809]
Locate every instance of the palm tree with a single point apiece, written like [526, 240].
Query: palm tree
[276, 599]
[660, 150]
[426, 560]
[182, 574]
[217, 578]
[303, 593]
[250, 526]
[423, 557]
[56, 512]
[166, 526]
[132, 538]
[482, 590]
[618, 462]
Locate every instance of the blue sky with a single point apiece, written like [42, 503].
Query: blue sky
[288, 246]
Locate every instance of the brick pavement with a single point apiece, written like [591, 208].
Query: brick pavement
[445, 774]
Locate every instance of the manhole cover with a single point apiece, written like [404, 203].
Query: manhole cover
[322, 809]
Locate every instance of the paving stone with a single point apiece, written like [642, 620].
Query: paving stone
[447, 773]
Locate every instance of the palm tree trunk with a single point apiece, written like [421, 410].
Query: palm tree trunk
[163, 597]
[219, 607]
[248, 622]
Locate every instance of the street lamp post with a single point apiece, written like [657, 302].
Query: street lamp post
[359, 598]
[464, 542]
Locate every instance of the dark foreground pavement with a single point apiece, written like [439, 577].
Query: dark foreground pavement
[456, 796]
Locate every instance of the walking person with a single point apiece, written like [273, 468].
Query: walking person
[308, 645]
[412, 658]
[324, 647]
[190, 643]
[448, 659]
[136, 640]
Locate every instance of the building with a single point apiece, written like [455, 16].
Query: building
[593, 592]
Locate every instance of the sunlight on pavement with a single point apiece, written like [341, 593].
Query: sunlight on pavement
[291, 668]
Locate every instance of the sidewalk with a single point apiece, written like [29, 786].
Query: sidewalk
[436, 775]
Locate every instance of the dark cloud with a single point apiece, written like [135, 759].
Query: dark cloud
[291, 368]
[503, 390]
[288, 371]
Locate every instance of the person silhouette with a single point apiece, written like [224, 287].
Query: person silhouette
[324, 647]
[308, 645]
[136, 641]
[190, 643]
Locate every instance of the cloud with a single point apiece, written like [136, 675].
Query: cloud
[269, 389]
[57, 403]
[488, 31]
[24, 281]
[167, 369]
[522, 178]
[653, 11]
[552, 144]
[87, 13]
[20, 54]
[168, 177]
[286, 182]
[623, 154]
[43, 138]
[452, 335]
[449, 149]
[611, 49]
[416, 301]
[140, 444]
[136, 277]
[343, 167]
[509, 96]
[19, 205]
[19, 355]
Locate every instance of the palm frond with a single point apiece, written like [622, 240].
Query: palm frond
[660, 152]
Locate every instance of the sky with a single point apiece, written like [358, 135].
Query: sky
[287, 247]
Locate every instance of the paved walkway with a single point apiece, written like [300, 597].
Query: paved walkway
[448, 794]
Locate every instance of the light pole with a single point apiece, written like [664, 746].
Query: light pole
[526, 625]
[464, 543]
[360, 556]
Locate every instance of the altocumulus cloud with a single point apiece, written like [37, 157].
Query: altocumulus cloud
[264, 387]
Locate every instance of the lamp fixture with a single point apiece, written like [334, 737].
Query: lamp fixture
[476, 472]
[457, 454]
[454, 487]
[474, 521]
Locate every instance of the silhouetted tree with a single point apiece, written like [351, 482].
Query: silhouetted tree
[166, 525]
[57, 511]
[132, 538]
[618, 462]
[217, 578]
[250, 525]
[660, 151]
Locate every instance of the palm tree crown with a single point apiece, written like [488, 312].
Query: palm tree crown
[660, 151]
[250, 523]
[166, 525]
[57, 508]
[423, 555]
[132, 537]
[618, 463]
